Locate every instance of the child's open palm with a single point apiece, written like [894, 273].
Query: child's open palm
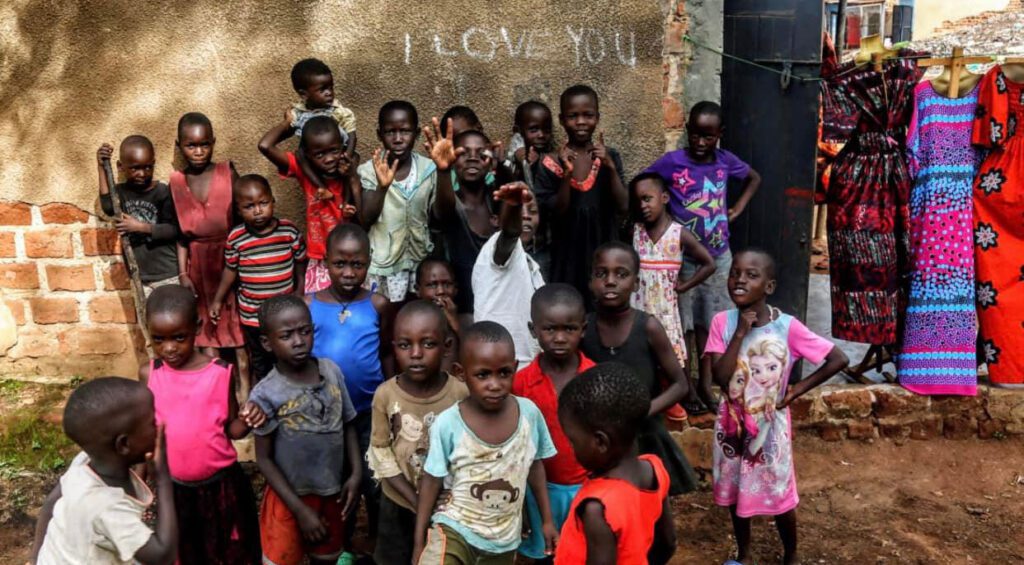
[515, 193]
[385, 172]
[441, 148]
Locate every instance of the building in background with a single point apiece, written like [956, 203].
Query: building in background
[904, 20]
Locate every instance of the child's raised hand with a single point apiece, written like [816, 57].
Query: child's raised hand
[104, 153]
[600, 151]
[747, 319]
[289, 115]
[385, 172]
[440, 148]
[493, 155]
[348, 211]
[514, 193]
[252, 415]
[568, 158]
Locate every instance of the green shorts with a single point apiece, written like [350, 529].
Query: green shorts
[446, 547]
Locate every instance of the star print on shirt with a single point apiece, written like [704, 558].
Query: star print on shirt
[709, 205]
[682, 180]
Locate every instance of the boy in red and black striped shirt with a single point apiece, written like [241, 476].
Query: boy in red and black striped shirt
[266, 256]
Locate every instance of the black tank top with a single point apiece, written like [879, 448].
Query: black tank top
[635, 352]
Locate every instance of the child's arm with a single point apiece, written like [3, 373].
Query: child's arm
[514, 196]
[307, 169]
[354, 188]
[664, 537]
[750, 186]
[240, 422]
[724, 365]
[834, 362]
[694, 249]
[268, 145]
[679, 385]
[619, 192]
[430, 488]
[538, 485]
[443, 153]
[162, 547]
[313, 529]
[183, 267]
[352, 143]
[300, 277]
[227, 280]
[105, 153]
[166, 228]
[45, 515]
[568, 159]
[373, 200]
[386, 313]
[602, 546]
[350, 490]
[381, 456]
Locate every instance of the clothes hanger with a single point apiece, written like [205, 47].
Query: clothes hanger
[954, 71]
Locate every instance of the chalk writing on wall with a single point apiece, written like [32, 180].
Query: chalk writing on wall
[583, 45]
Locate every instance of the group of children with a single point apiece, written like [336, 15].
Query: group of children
[459, 341]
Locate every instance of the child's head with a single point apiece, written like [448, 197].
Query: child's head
[172, 318]
[751, 277]
[703, 129]
[601, 412]
[136, 160]
[112, 418]
[314, 83]
[254, 201]
[558, 318]
[768, 359]
[649, 195]
[614, 273]
[738, 382]
[487, 364]
[579, 113]
[348, 258]
[421, 340]
[398, 126]
[196, 140]
[322, 145]
[435, 279]
[286, 329]
[531, 221]
[473, 164]
[463, 119]
[533, 122]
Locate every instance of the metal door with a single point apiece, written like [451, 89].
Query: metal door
[773, 126]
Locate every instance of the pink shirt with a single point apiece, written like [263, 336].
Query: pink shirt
[194, 407]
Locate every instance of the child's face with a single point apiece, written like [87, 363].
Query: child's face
[319, 93]
[702, 134]
[420, 345]
[531, 221]
[613, 278]
[438, 282]
[558, 330]
[487, 368]
[348, 260]
[136, 164]
[766, 370]
[579, 117]
[470, 166]
[536, 129]
[255, 204]
[749, 280]
[196, 143]
[289, 335]
[651, 200]
[173, 336]
[398, 134]
[737, 385]
[325, 151]
[142, 438]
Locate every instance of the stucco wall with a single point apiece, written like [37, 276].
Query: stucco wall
[76, 73]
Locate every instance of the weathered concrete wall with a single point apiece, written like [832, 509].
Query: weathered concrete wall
[76, 73]
[691, 74]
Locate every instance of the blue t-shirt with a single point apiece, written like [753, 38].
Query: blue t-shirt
[349, 335]
[487, 481]
[697, 193]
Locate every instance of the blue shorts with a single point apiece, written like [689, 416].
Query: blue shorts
[560, 497]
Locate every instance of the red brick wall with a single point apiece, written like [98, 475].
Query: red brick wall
[66, 308]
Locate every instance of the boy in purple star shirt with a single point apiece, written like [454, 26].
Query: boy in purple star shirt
[697, 178]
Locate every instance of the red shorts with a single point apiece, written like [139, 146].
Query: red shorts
[281, 537]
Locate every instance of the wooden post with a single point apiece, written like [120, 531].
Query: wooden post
[956, 63]
[131, 265]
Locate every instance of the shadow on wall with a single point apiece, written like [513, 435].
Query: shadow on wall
[74, 74]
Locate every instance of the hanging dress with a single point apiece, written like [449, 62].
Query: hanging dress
[867, 200]
[999, 228]
[938, 350]
[204, 228]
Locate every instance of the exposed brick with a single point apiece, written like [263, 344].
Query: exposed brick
[100, 341]
[17, 309]
[954, 405]
[894, 401]
[54, 310]
[115, 277]
[33, 342]
[60, 213]
[696, 445]
[100, 241]
[960, 427]
[1004, 404]
[15, 214]
[894, 430]
[112, 308]
[673, 114]
[831, 432]
[926, 428]
[48, 244]
[848, 403]
[19, 275]
[987, 429]
[674, 33]
[74, 277]
[860, 429]
[7, 248]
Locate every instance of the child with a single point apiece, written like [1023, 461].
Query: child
[768, 343]
[322, 149]
[435, 281]
[533, 124]
[622, 512]
[195, 399]
[307, 445]
[505, 273]
[558, 318]
[148, 216]
[586, 197]
[348, 322]
[698, 178]
[314, 83]
[619, 333]
[485, 449]
[94, 516]
[266, 256]
[404, 408]
[662, 243]
[202, 198]
[398, 189]
[458, 119]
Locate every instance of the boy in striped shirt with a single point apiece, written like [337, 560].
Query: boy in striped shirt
[266, 256]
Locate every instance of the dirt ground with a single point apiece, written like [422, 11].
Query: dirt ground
[936, 501]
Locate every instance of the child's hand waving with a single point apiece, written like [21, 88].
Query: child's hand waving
[440, 148]
[514, 193]
[385, 172]
[600, 151]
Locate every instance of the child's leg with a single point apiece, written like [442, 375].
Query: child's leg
[741, 528]
[704, 388]
[786, 523]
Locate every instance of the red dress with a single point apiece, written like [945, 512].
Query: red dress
[204, 226]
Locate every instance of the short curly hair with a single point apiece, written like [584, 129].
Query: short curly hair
[607, 397]
[273, 307]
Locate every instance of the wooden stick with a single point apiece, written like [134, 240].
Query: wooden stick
[1013, 61]
[131, 265]
[956, 64]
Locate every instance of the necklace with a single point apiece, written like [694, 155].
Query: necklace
[345, 314]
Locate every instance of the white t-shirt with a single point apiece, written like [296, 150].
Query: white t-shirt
[95, 524]
[502, 294]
